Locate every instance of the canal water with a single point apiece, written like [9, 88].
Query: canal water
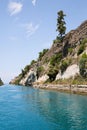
[25, 108]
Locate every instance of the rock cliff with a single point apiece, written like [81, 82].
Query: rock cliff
[62, 61]
[1, 83]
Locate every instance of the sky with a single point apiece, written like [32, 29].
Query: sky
[29, 26]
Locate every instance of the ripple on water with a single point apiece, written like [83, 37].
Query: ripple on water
[24, 108]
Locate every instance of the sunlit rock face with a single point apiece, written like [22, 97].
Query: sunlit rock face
[71, 71]
[43, 78]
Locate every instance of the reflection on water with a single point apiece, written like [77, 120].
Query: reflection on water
[59, 108]
[25, 108]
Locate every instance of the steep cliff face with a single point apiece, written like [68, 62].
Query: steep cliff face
[75, 36]
[61, 61]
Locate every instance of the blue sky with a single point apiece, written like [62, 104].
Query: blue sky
[29, 26]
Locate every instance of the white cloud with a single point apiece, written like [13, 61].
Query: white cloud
[14, 8]
[31, 29]
[34, 2]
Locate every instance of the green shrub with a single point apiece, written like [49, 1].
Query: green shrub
[41, 54]
[32, 62]
[57, 40]
[17, 82]
[18, 79]
[52, 73]
[55, 59]
[83, 65]
[40, 69]
[84, 56]
[81, 49]
[82, 46]
[26, 69]
[46, 60]
[70, 50]
[84, 41]
[64, 65]
[23, 73]
[79, 80]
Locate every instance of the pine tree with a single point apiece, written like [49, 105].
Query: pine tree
[61, 28]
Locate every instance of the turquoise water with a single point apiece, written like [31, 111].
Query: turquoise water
[25, 108]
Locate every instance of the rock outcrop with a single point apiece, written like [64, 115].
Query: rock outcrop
[75, 36]
[70, 72]
[29, 78]
[1, 82]
[42, 79]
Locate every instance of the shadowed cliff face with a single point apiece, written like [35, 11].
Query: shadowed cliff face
[30, 77]
[58, 58]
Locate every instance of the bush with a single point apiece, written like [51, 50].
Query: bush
[55, 59]
[52, 73]
[83, 65]
[81, 49]
[79, 80]
[23, 73]
[70, 50]
[46, 60]
[26, 69]
[41, 54]
[40, 69]
[64, 65]
[57, 40]
[82, 46]
[18, 79]
[84, 56]
[32, 62]
[84, 41]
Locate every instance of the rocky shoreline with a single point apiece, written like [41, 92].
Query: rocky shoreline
[74, 89]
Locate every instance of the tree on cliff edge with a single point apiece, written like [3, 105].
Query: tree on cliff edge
[61, 28]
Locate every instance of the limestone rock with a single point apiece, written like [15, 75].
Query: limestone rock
[71, 71]
[29, 78]
[43, 78]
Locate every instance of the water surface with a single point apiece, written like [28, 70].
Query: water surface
[25, 108]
